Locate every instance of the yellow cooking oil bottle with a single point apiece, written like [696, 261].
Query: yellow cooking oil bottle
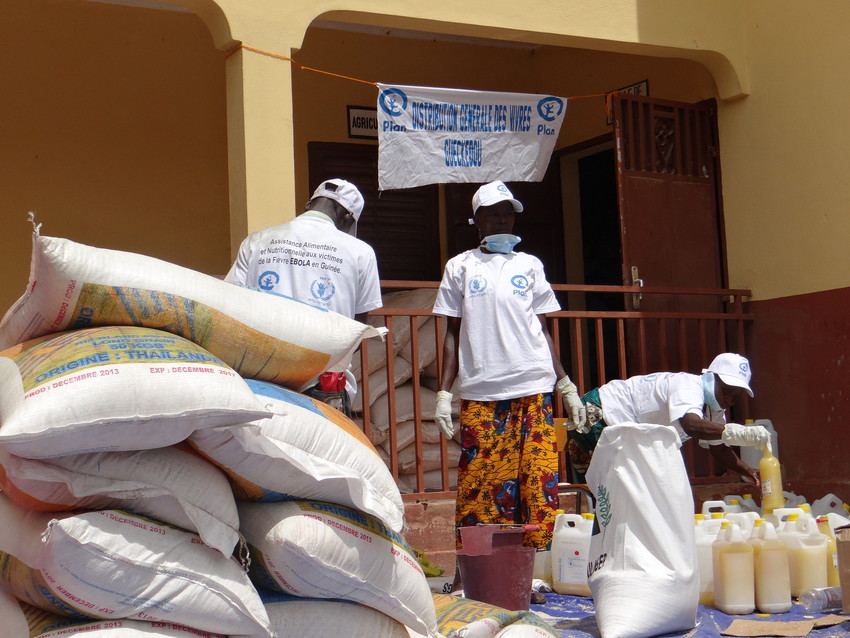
[734, 572]
[770, 473]
[770, 562]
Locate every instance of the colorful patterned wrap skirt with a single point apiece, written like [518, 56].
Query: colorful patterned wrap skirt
[508, 471]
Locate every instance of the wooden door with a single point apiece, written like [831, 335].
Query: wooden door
[671, 229]
[400, 225]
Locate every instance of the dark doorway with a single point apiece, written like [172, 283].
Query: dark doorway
[602, 258]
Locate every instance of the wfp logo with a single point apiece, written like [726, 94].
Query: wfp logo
[477, 285]
[550, 108]
[322, 289]
[268, 280]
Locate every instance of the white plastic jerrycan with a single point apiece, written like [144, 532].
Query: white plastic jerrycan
[807, 551]
[772, 576]
[705, 531]
[734, 572]
[827, 504]
[570, 547]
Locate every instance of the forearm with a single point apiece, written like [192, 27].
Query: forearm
[560, 372]
[699, 428]
[449, 368]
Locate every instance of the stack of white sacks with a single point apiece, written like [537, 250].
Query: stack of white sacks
[399, 381]
[754, 560]
[162, 475]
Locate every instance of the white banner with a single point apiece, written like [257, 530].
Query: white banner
[430, 135]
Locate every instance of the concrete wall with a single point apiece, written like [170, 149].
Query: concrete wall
[113, 133]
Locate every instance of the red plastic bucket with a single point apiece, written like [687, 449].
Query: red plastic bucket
[496, 569]
[501, 577]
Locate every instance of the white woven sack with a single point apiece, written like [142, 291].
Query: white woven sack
[642, 565]
[114, 388]
[305, 450]
[110, 564]
[61, 627]
[260, 335]
[378, 382]
[169, 484]
[12, 616]
[322, 550]
[327, 618]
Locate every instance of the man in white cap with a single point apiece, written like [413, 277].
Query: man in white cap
[695, 405]
[316, 257]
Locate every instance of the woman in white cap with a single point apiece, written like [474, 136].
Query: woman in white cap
[695, 405]
[499, 350]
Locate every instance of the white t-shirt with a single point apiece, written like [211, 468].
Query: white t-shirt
[502, 351]
[661, 398]
[312, 261]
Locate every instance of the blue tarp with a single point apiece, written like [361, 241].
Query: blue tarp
[575, 617]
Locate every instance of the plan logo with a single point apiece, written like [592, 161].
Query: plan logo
[393, 102]
[268, 280]
[520, 284]
[322, 289]
[550, 108]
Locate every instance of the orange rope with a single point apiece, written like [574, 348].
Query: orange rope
[300, 66]
[607, 96]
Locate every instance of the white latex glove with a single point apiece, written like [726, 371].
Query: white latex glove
[443, 413]
[746, 435]
[569, 393]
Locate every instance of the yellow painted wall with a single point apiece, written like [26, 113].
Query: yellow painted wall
[320, 101]
[113, 132]
[116, 117]
[785, 152]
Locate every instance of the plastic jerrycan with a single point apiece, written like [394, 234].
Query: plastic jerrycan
[831, 551]
[770, 564]
[711, 507]
[706, 530]
[570, 547]
[770, 473]
[733, 504]
[744, 520]
[829, 503]
[734, 571]
[807, 549]
[749, 504]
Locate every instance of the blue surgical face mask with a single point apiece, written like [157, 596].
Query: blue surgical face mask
[503, 243]
[708, 391]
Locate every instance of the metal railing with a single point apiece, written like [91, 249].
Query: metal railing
[594, 345]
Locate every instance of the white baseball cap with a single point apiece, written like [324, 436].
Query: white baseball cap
[733, 369]
[493, 193]
[346, 194]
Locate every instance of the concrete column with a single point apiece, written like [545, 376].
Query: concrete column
[261, 159]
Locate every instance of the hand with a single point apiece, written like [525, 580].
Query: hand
[578, 414]
[746, 435]
[443, 413]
